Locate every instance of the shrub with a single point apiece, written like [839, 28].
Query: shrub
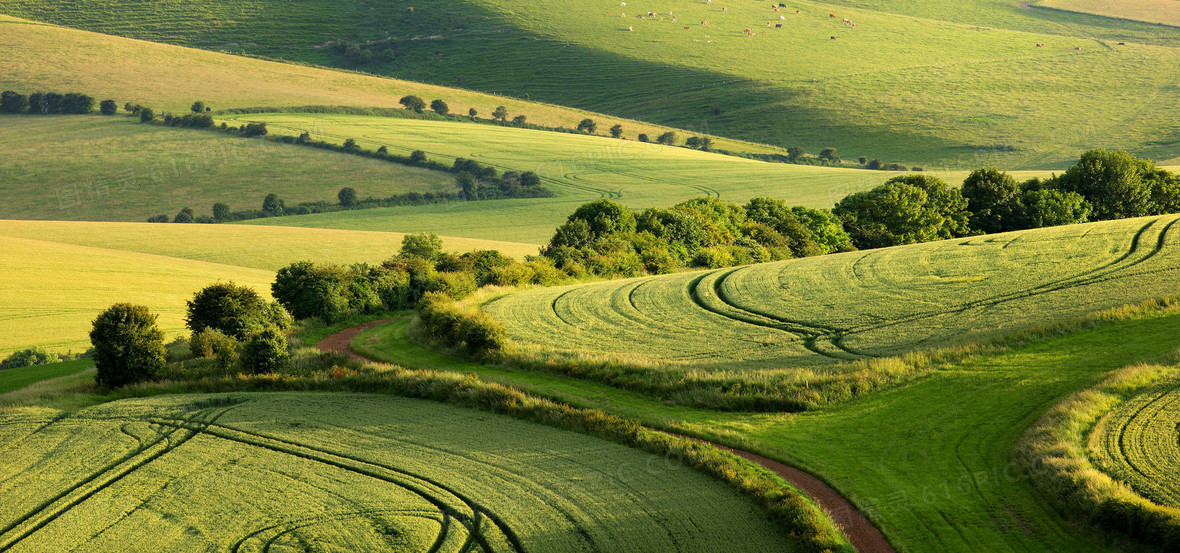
[234, 310]
[480, 333]
[418, 156]
[795, 153]
[440, 107]
[185, 216]
[272, 206]
[413, 103]
[28, 358]
[667, 139]
[829, 155]
[993, 198]
[643, 138]
[347, 196]
[211, 342]
[616, 131]
[161, 218]
[1117, 184]
[424, 245]
[904, 210]
[128, 347]
[472, 113]
[500, 113]
[146, 115]
[199, 107]
[587, 126]
[108, 107]
[12, 102]
[221, 212]
[519, 120]
[266, 351]
[252, 130]
[350, 145]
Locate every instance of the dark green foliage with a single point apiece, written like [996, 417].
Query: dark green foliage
[52, 103]
[221, 212]
[146, 115]
[350, 144]
[643, 138]
[423, 245]
[12, 102]
[413, 103]
[212, 343]
[347, 196]
[468, 185]
[1118, 185]
[128, 347]
[266, 352]
[994, 200]
[234, 310]
[795, 153]
[473, 331]
[418, 156]
[829, 154]
[383, 150]
[587, 126]
[500, 113]
[28, 358]
[252, 130]
[519, 120]
[904, 210]
[667, 139]
[1048, 207]
[161, 218]
[272, 206]
[198, 107]
[472, 113]
[616, 131]
[185, 216]
[440, 107]
[108, 107]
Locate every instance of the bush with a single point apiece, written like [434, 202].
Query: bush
[12, 102]
[519, 120]
[667, 139]
[28, 358]
[272, 206]
[424, 245]
[829, 155]
[266, 351]
[904, 210]
[413, 103]
[440, 107]
[993, 198]
[1117, 184]
[347, 196]
[128, 347]
[185, 216]
[472, 113]
[108, 107]
[161, 218]
[500, 113]
[199, 107]
[146, 115]
[587, 126]
[234, 310]
[221, 212]
[211, 342]
[418, 156]
[643, 138]
[252, 130]
[350, 145]
[616, 131]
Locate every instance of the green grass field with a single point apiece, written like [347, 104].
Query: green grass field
[55, 277]
[12, 380]
[819, 311]
[914, 81]
[302, 472]
[1165, 12]
[114, 169]
[39, 57]
[1139, 444]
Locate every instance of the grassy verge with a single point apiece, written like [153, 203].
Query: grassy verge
[15, 379]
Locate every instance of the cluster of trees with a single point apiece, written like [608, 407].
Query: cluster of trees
[51, 103]
[333, 292]
[605, 238]
[192, 121]
[27, 358]
[1103, 185]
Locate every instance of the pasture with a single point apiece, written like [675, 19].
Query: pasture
[1138, 443]
[821, 311]
[12, 380]
[326, 472]
[1163, 12]
[913, 81]
[97, 168]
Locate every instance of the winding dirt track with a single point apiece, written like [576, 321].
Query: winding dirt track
[865, 537]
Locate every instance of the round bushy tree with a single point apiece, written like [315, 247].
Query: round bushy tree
[587, 126]
[266, 351]
[272, 206]
[347, 196]
[440, 107]
[1117, 184]
[108, 107]
[128, 347]
[616, 131]
[234, 310]
[413, 103]
[993, 198]
[146, 115]
[185, 216]
[221, 212]
[500, 113]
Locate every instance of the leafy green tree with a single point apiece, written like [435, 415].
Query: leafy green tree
[79, 104]
[418, 156]
[422, 245]
[108, 107]
[994, 200]
[27, 358]
[829, 155]
[1165, 192]
[1117, 184]
[413, 103]
[272, 206]
[587, 126]
[12, 102]
[128, 347]
[234, 310]
[146, 115]
[347, 196]
[185, 216]
[519, 120]
[351, 145]
[161, 218]
[667, 139]
[198, 107]
[904, 210]
[643, 138]
[266, 351]
[221, 212]
[473, 113]
[468, 185]
[827, 229]
[251, 130]
[1043, 205]
[440, 107]
[500, 113]
[616, 131]
[795, 153]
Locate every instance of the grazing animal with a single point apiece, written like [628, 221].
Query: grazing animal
[833, 37]
[778, 26]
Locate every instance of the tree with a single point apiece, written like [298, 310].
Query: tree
[12, 102]
[347, 196]
[468, 184]
[702, 143]
[161, 218]
[350, 145]
[440, 107]
[904, 210]
[413, 103]
[418, 156]
[862, 160]
[146, 115]
[383, 151]
[272, 206]
[128, 347]
[616, 131]
[28, 358]
[185, 216]
[667, 139]
[591, 222]
[108, 107]
[1117, 184]
[795, 153]
[829, 155]
[221, 212]
[1049, 207]
[422, 245]
[472, 113]
[643, 138]
[198, 107]
[232, 309]
[519, 120]
[266, 351]
[587, 126]
[500, 114]
[251, 130]
[993, 198]
[79, 104]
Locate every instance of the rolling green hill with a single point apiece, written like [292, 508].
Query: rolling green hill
[914, 81]
[305, 472]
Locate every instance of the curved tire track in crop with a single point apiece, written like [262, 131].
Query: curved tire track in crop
[859, 530]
